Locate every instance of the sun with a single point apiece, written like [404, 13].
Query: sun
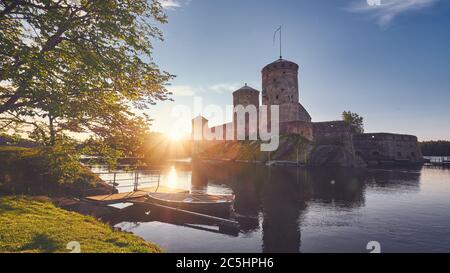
[175, 135]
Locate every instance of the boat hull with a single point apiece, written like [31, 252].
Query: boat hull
[222, 208]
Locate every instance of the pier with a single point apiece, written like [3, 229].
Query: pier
[135, 184]
[438, 161]
[138, 197]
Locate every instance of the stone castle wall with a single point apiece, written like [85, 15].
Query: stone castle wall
[280, 87]
[244, 97]
[302, 128]
[381, 148]
[331, 131]
[334, 142]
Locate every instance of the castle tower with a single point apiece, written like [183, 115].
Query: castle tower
[246, 96]
[280, 87]
[198, 123]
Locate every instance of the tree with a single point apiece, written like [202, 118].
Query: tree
[355, 120]
[78, 66]
[435, 148]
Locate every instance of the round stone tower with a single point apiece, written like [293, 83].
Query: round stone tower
[246, 96]
[280, 87]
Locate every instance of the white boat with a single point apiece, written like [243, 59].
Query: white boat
[203, 203]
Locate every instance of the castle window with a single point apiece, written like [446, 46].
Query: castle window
[375, 153]
[413, 154]
[276, 97]
[399, 154]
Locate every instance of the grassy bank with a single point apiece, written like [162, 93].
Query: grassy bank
[31, 225]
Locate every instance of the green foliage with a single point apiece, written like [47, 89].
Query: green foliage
[29, 225]
[52, 171]
[61, 162]
[103, 149]
[355, 120]
[78, 66]
[435, 148]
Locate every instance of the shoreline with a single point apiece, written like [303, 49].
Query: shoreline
[40, 225]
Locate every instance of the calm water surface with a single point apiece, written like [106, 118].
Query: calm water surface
[297, 210]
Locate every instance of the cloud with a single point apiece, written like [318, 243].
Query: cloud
[385, 11]
[189, 91]
[172, 4]
[182, 90]
[223, 87]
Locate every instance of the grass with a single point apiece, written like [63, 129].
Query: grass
[32, 225]
[13, 149]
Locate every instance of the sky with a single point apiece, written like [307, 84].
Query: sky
[387, 60]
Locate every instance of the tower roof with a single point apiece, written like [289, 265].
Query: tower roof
[200, 117]
[246, 88]
[281, 63]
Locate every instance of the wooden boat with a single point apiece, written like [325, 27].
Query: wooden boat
[202, 203]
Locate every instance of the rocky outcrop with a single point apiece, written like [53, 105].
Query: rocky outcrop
[334, 156]
[292, 148]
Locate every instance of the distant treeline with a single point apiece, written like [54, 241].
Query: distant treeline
[435, 148]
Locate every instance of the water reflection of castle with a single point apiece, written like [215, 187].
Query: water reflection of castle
[274, 199]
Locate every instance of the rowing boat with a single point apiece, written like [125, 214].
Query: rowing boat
[203, 203]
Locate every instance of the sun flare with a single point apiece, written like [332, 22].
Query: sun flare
[175, 136]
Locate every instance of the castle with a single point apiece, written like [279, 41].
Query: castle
[280, 86]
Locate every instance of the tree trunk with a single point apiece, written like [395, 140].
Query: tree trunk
[52, 130]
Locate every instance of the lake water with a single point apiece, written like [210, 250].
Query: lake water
[285, 209]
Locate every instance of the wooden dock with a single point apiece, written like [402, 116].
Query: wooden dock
[128, 196]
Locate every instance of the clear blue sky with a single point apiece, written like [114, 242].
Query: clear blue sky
[390, 63]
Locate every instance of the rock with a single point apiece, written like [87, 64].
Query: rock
[334, 156]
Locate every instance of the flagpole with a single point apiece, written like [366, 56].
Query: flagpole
[281, 45]
[281, 55]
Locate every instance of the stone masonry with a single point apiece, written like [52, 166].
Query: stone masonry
[280, 87]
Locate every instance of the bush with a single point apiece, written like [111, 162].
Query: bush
[61, 163]
[48, 171]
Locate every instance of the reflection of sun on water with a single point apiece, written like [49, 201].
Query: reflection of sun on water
[172, 177]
